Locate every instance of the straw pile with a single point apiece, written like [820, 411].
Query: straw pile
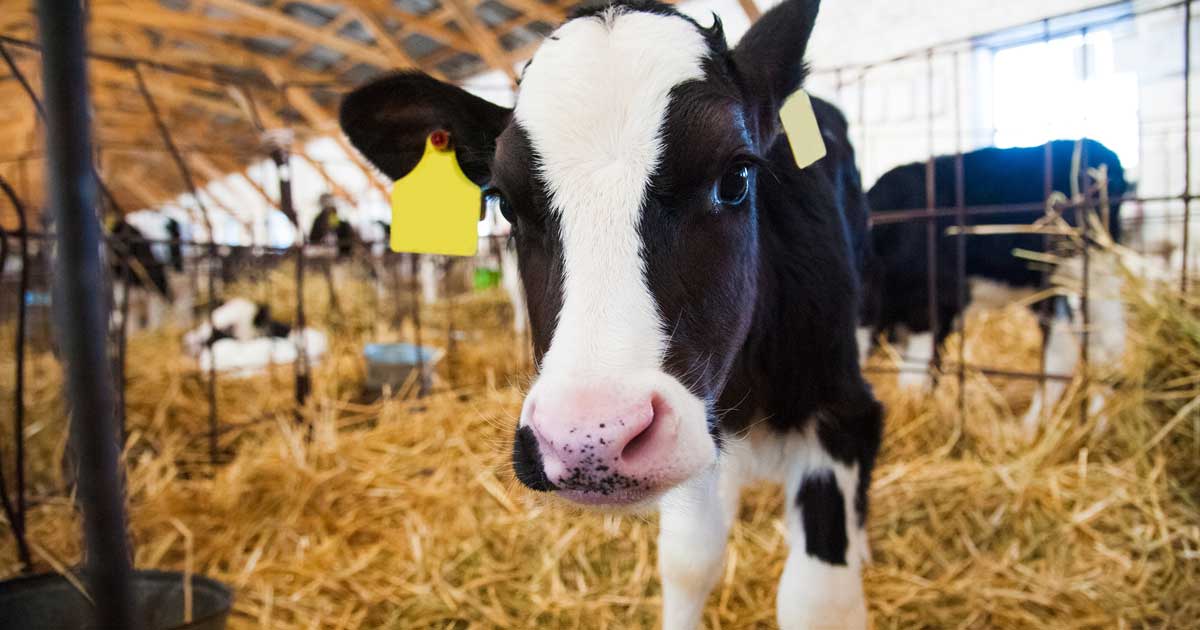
[403, 513]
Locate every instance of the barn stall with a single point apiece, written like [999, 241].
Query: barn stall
[363, 478]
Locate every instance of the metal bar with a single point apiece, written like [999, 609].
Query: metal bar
[1187, 141]
[922, 214]
[416, 302]
[451, 346]
[24, 82]
[216, 75]
[931, 231]
[190, 182]
[1044, 279]
[863, 145]
[960, 271]
[330, 287]
[71, 189]
[1085, 223]
[279, 155]
[122, 351]
[986, 371]
[41, 111]
[16, 513]
[214, 454]
[280, 249]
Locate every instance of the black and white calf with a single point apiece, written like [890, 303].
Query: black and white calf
[692, 292]
[896, 300]
[239, 319]
[245, 339]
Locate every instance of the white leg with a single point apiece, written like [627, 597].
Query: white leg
[863, 337]
[1062, 352]
[821, 587]
[693, 530]
[917, 354]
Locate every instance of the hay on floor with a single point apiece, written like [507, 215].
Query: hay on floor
[403, 513]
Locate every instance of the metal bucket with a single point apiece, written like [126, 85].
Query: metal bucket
[391, 364]
[50, 602]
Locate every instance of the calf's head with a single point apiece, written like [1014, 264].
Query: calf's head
[629, 170]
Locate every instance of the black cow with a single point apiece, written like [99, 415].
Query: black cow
[692, 292]
[133, 259]
[896, 300]
[330, 226]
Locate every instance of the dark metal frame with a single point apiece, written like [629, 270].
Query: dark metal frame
[81, 319]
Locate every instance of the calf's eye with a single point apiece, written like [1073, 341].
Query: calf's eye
[733, 187]
[495, 201]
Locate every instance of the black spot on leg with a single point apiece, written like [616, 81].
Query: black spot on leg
[823, 516]
[527, 461]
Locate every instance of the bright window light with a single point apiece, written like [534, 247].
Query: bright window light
[1065, 88]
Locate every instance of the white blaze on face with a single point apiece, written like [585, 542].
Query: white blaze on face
[593, 103]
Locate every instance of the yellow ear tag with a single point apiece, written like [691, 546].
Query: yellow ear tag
[435, 208]
[800, 125]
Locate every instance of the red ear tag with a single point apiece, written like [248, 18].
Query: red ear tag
[440, 139]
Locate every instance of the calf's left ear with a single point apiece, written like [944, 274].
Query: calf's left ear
[770, 58]
[389, 119]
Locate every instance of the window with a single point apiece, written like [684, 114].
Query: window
[1063, 83]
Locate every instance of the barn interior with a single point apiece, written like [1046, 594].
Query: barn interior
[355, 471]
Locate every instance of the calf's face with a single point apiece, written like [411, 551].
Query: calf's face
[628, 170]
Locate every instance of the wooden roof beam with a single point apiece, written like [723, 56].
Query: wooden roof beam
[426, 25]
[374, 25]
[535, 9]
[483, 39]
[309, 34]
[153, 16]
[323, 121]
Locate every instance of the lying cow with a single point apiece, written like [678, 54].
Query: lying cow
[238, 319]
[244, 338]
[692, 292]
[897, 293]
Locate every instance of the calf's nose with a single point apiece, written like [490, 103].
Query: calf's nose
[602, 441]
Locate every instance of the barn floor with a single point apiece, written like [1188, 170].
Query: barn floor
[404, 514]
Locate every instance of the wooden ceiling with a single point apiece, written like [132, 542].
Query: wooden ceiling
[220, 71]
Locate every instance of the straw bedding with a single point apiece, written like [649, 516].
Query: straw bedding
[403, 513]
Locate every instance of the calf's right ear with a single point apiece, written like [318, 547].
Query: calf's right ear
[389, 119]
[770, 57]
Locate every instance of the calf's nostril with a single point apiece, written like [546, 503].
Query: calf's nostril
[639, 443]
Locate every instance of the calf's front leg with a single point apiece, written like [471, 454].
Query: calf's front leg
[821, 587]
[694, 526]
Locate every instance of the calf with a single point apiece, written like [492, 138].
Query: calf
[238, 319]
[897, 292]
[692, 292]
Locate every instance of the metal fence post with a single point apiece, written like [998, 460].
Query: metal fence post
[71, 188]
